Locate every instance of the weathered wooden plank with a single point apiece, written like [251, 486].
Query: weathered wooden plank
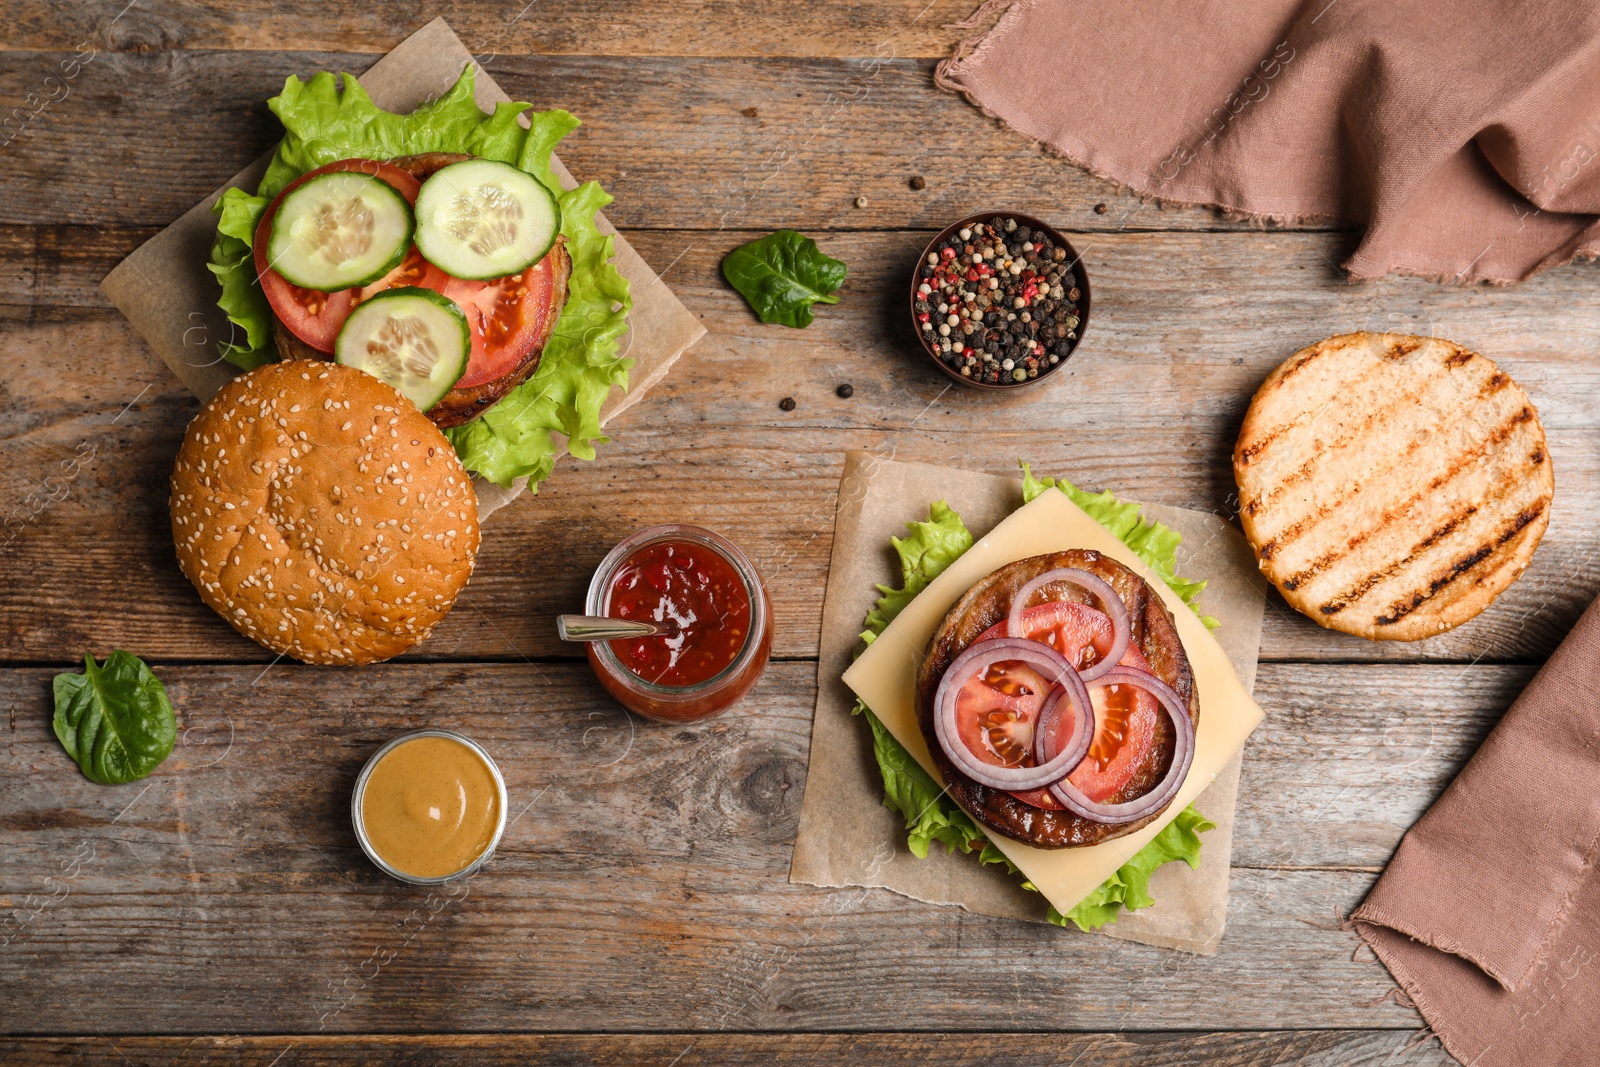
[644, 883]
[830, 28]
[1162, 301]
[60, 266]
[1320, 788]
[89, 559]
[1350, 756]
[1149, 408]
[1305, 1048]
[701, 143]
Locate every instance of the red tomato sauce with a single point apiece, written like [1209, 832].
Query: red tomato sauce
[692, 587]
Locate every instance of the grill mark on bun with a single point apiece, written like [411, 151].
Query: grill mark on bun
[1249, 454]
[1285, 537]
[1327, 453]
[1405, 606]
[1392, 515]
[1449, 525]
[1301, 362]
[1403, 347]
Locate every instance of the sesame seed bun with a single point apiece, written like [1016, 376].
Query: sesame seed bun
[321, 514]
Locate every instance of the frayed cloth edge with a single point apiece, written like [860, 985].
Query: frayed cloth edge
[947, 73]
[1407, 983]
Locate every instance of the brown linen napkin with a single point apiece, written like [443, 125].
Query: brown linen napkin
[1465, 137]
[1489, 913]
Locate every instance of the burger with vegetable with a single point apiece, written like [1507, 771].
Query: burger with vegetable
[1058, 703]
[442, 274]
[415, 299]
[439, 251]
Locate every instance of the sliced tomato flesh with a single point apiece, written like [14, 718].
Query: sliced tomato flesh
[311, 315]
[1125, 718]
[1125, 728]
[504, 314]
[996, 712]
[1080, 633]
[1077, 631]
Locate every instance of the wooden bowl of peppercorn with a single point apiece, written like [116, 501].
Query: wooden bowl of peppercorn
[999, 300]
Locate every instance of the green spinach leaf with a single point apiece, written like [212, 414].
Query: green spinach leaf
[115, 720]
[781, 275]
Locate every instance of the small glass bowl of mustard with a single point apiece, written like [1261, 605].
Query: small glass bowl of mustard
[429, 806]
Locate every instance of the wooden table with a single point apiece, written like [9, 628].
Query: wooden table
[639, 909]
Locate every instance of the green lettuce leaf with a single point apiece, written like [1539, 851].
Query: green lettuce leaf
[932, 546]
[1153, 542]
[930, 816]
[929, 813]
[1130, 886]
[234, 265]
[561, 402]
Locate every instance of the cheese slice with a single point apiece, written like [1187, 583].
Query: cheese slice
[884, 677]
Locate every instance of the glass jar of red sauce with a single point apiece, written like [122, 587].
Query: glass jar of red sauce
[700, 582]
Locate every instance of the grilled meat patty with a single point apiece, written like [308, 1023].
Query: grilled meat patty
[988, 603]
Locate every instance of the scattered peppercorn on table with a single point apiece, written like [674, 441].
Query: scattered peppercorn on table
[637, 907]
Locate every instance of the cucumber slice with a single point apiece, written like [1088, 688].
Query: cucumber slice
[339, 230]
[415, 339]
[480, 219]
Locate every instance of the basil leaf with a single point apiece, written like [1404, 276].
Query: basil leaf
[781, 275]
[115, 720]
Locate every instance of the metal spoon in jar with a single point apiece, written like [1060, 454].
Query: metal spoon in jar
[601, 628]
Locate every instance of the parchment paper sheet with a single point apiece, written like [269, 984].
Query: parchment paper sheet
[848, 838]
[170, 297]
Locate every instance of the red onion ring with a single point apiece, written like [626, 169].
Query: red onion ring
[1057, 670]
[1163, 792]
[1110, 603]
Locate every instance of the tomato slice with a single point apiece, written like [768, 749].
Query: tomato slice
[996, 712]
[1125, 719]
[1077, 631]
[505, 315]
[311, 315]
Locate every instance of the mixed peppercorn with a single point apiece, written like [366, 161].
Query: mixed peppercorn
[998, 302]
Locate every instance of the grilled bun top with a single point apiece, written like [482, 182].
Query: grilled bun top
[321, 514]
[1392, 486]
[1153, 634]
